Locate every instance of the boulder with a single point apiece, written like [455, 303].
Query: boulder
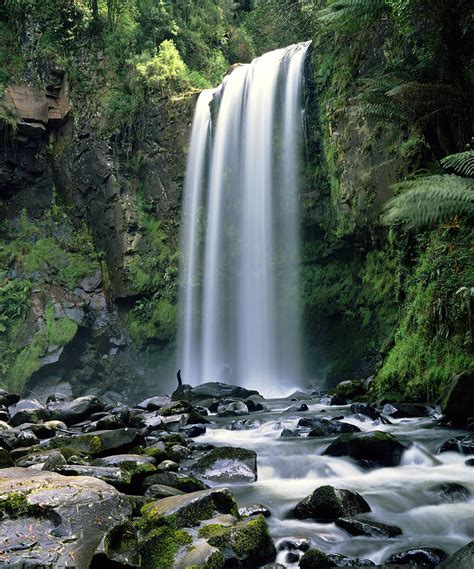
[326, 504]
[8, 399]
[255, 510]
[227, 465]
[118, 548]
[370, 450]
[365, 409]
[458, 401]
[244, 424]
[100, 443]
[420, 557]
[5, 459]
[176, 408]
[180, 481]
[462, 559]
[54, 520]
[117, 477]
[324, 427]
[246, 544]
[154, 403]
[463, 444]
[77, 410]
[367, 528]
[405, 410]
[126, 461]
[28, 411]
[189, 510]
[451, 492]
[211, 390]
[235, 408]
[316, 559]
[158, 491]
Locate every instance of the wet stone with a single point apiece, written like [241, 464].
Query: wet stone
[422, 557]
[367, 528]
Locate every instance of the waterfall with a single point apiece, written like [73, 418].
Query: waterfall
[239, 303]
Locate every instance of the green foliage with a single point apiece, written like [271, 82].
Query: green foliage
[434, 337]
[14, 304]
[461, 163]
[352, 13]
[153, 320]
[59, 331]
[431, 200]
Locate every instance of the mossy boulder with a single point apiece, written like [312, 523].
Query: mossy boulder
[71, 412]
[324, 427]
[248, 541]
[316, 559]
[180, 481]
[160, 546]
[349, 389]
[227, 465]
[327, 503]
[189, 510]
[183, 408]
[100, 443]
[458, 401]
[370, 450]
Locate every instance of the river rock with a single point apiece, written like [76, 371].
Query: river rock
[458, 401]
[108, 422]
[324, 427]
[100, 443]
[463, 444]
[370, 450]
[343, 561]
[368, 528]
[117, 477]
[451, 492]
[176, 408]
[326, 504]
[77, 410]
[7, 399]
[158, 491]
[365, 409]
[316, 559]
[194, 431]
[235, 408]
[54, 520]
[189, 510]
[5, 459]
[127, 461]
[181, 481]
[255, 510]
[28, 411]
[39, 457]
[118, 548]
[244, 424]
[212, 390]
[154, 403]
[405, 410]
[227, 465]
[420, 557]
[462, 559]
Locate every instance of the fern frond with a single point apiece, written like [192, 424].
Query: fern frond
[343, 12]
[429, 201]
[461, 163]
[426, 97]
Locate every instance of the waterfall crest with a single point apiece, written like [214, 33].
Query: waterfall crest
[239, 304]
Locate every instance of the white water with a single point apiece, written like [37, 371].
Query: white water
[240, 318]
[290, 469]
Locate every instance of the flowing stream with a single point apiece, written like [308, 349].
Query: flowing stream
[290, 469]
[240, 316]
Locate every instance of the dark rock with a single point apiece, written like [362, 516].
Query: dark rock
[326, 504]
[183, 482]
[349, 389]
[117, 477]
[368, 528]
[154, 403]
[8, 399]
[77, 410]
[54, 520]
[462, 559]
[40, 430]
[370, 450]
[469, 462]
[235, 408]
[100, 443]
[244, 424]
[28, 411]
[176, 408]
[127, 461]
[119, 548]
[463, 444]
[405, 410]
[458, 402]
[39, 457]
[5, 459]
[158, 491]
[227, 464]
[255, 510]
[324, 427]
[211, 390]
[294, 544]
[26, 439]
[194, 430]
[451, 492]
[422, 557]
[365, 409]
[109, 422]
[254, 406]
[316, 559]
[189, 510]
[297, 408]
[333, 400]
[292, 433]
[343, 561]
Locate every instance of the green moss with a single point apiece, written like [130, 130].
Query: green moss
[95, 445]
[59, 331]
[160, 546]
[225, 453]
[315, 559]
[251, 536]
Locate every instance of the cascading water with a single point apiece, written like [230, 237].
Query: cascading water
[240, 317]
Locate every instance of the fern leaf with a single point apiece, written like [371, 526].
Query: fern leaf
[343, 12]
[429, 201]
[461, 163]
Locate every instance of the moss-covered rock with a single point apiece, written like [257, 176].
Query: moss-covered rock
[316, 559]
[327, 503]
[370, 450]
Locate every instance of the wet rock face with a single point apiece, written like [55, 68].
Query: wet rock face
[55, 520]
[227, 465]
[370, 450]
[326, 504]
[422, 557]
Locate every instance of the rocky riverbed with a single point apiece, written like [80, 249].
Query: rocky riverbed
[216, 476]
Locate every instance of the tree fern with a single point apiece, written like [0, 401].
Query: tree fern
[347, 12]
[461, 163]
[429, 201]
